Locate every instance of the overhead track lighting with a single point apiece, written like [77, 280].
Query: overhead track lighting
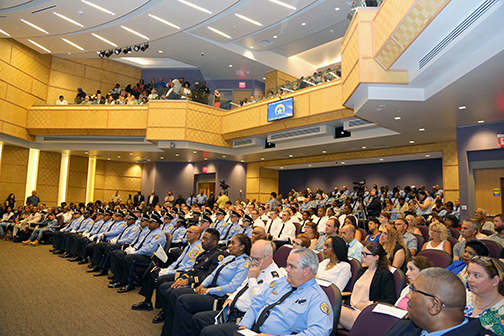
[126, 50]
[101, 54]
[117, 51]
[145, 47]
[136, 48]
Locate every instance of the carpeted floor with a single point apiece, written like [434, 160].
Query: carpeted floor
[41, 294]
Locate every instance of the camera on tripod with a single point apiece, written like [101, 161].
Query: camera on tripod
[360, 188]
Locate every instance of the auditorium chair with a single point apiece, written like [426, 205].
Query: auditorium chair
[281, 255]
[298, 228]
[455, 232]
[425, 232]
[420, 242]
[370, 323]
[47, 236]
[319, 255]
[487, 232]
[355, 265]
[364, 233]
[439, 258]
[400, 281]
[335, 300]
[452, 241]
[494, 247]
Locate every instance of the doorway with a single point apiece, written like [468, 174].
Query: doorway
[207, 188]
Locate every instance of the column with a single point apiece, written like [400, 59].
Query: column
[90, 185]
[32, 171]
[63, 178]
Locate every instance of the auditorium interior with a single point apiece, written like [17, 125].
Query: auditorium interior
[417, 99]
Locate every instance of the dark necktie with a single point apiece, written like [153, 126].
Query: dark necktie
[266, 311]
[143, 241]
[227, 233]
[214, 280]
[111, 225]
[122, 232]
[100, 227]
[182, 257]
[281, 230]
[271, 224]
[237, 296]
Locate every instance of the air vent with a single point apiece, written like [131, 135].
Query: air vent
[355, 124]
[69, 139]
[43, 9]
[248, 142]
[456, 32]
[301, 133]
[265, 43]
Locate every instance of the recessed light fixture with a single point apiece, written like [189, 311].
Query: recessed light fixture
[194, 152]
[309, 165]
[324, 151]
[337, 9]
[242, 161]
[262, 158]
[251, 47]
[190, 4]
[131, 153]
[108, 159]
[3, 32]
[427, 155]
[481, 121]
[68, 19]
[264, 78]
[342, 162]
[381, 159]
[34, 26]
[283, 4]
[383, 105]
[98, 7]
[148, 160]
[38, 45]
[104, 39]
[303, 24]
[161, 157]
[188, 160]
[274, 36]
[290, 155]
[134, 32]
[412, 141]
[219, 32]
[205, 159]
[243, 17]
[164, 21]
[160, 51]
[281, 167]
[378, 109]
[462, 107]
[177, 154]
[421, 129]
[73, 44]
[86, 153]
[364, 147]
[223, 155]
[118, 156]
[397, 118]
[230, 65]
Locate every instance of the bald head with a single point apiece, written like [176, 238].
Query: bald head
[445, 285]
[258, 233]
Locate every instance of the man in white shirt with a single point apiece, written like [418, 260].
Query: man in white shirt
[61, 101]
[286, 231]
[263, 215]
[347, 232]
[257, 220]
[273, 222]
[322, 219]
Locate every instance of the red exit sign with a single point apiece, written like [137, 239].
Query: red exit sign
[242, 85]
[500, 139]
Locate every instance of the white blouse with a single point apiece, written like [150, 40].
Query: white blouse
[339, 275]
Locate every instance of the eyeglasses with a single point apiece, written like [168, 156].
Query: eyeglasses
[487, 260]
[366, 254]
[412, 288]
[436, 231]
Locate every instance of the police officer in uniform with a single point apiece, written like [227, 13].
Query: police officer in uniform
[60, 238]
[182, 303]
[220, 222]
[231, 229]
[184, 263]
[292, 305]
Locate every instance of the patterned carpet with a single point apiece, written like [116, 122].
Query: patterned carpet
[42, 294]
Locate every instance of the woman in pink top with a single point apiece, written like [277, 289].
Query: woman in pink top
[414, 266]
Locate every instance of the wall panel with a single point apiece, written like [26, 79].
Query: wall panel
[77, 179]
[48, 177]
[13, 172]
[122, 176]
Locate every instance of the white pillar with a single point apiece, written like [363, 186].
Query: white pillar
[63, 178]
[32, 171]
[91, 173]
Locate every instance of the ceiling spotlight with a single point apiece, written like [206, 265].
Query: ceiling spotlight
[126, 50]
[421, 129]
[118, 51]
[462, 107]
[145, 47]
[101, 54]
[136, 48]
[109, 53]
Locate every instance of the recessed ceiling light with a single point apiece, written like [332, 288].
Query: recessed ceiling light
[249, 20]
[205, 159]
[303, 24]
[421, 129]
[309, 165]
[397, 118]
[223, 155]
[161, 157]
[164, 21]
[104, 39]
[98, 7]
[194, 152]
[242, 161]
[38, 45]
[290, 155]
[134, 32]
[427, 155]
[131, 153]
[462, 107]
[337, 9]
[281, 167]
[381, 159]
[230, 65]
[264, 78]
[274, 36]
[188, 160]
[283, 4]
[190, 4]
[364, 147]
[378, 109]
[177, 154]
[86, 153]
[160, 51]
[108, 159]
[342, 162]
[68, 19]
[383, 105]
[251, 47]
[324, 151]
[481, 121]
[118, 156]
[412, 141]
[3, 32]
[34, 26]
[219, 32]
[73, 44]
[148, 160]
[262, 158]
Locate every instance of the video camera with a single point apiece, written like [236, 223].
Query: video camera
[360, 188]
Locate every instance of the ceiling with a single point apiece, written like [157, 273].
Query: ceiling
[254, 36]
[462, 86]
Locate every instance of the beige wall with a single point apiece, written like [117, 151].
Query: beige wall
[48, 177]
[485, 181]
[13, 173]
[122, 176]
[77, 179]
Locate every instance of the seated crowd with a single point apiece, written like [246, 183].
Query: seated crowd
[212, 264]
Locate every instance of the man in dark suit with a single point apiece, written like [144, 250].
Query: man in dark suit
[374, 206]
[152, 199]
[436, 305]
[138, 198]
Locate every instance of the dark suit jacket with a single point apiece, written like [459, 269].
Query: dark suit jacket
[382, 286]
[137, 199]
[374, 208]
[471, 328]
[155, 200]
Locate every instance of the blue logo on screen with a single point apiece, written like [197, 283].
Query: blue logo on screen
[280, 109]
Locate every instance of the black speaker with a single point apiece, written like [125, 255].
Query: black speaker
[341, 133]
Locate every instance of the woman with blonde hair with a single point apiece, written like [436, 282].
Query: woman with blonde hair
[311, 230]
[412, 225]
[393, 244]
[439, 234]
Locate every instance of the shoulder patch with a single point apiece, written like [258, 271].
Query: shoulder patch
[224, 225]
[220, 257]
[325, 308]
[272, 284]
[246, 264]
[134, 229]
[122, 225]
[194, 253]
[274, 292]
[275, 274]
[157, 237]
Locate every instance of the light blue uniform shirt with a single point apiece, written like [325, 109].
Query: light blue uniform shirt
[230, 232]
[105, 226]
[130, 234]
[96, 227]
[305, 312]
[186, 260]
[230, 277]
[178, 234]
[87, 224]
[303, 207]
[143, 232]
[221, 226]
[246, 231]
[150, 245]
[74, 224]
[115, 230]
